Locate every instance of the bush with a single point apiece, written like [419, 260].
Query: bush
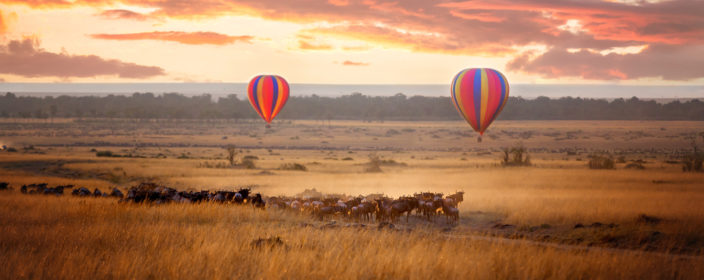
[601, 162]
[207, 164]
[11, 150]
[635, 165]
[374, 164]
[293, 166]
[104, 154]
[515, 156]
[694, 162]
[248, 164]
[250, 157]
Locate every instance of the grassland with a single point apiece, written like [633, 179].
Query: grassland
[536, 206]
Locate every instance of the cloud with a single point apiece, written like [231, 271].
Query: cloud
[353, 63]
[123, 14]
[418, 41]
[664, 61]
[3, 27]
[305, 45]
[190, 38]
[25, 58]
[471, 27]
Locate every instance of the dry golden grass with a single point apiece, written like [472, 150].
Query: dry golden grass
[70, 238]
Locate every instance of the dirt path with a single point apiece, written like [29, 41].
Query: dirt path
[509, 241]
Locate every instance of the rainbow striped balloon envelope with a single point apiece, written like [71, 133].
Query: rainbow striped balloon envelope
[268, 95]
[479, 95]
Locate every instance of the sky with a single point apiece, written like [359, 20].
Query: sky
[626, 42]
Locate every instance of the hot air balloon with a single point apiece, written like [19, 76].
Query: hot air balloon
[479, 95]
[268, 95]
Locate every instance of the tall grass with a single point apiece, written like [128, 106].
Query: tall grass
[70, 238]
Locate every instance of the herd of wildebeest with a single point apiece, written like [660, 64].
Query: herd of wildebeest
[369, 208]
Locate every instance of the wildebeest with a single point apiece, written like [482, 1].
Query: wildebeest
[258, 202]
[81, 192]
[116, 193]
[4, 186]
[42, 189]
[401, 206]
[450, 212]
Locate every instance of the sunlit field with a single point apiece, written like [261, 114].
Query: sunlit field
[555, 218]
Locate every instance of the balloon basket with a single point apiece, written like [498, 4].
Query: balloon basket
[268, 126]
[479, 139]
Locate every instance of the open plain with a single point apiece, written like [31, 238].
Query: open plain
[554, 218]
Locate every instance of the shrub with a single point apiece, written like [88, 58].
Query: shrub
[515, 156]
[694, 162]
[248, 164]
[104, 154]
[293, 166]
[374, 164]
[207, 164]
[635, 165]
[251, 157]
[601, 162]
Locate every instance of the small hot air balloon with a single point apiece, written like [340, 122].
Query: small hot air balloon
[479, 95]
[268, 95]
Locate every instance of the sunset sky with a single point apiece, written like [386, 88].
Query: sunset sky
[352, 42]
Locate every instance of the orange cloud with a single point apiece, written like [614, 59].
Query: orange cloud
[473, 27]
[415, 41]
[123, 14]
[339, 2]
[190, 38]
[305, 45]
[353, 63]
[3, 27]
[25, 58]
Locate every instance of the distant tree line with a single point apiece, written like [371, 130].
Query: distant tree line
[349, 107]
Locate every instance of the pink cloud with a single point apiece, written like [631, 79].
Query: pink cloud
[123, 14]
[657, 61]
[475, 27]
[25, 58]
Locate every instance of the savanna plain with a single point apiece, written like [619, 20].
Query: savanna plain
[639, 216]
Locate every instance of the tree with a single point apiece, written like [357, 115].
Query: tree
[52, 111]
[232, 155]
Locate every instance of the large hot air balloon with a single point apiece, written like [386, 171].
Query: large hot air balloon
[268, 94]
[479, 95]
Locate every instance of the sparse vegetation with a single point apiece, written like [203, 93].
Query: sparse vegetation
[601, 162]
[104, 154]
[694, 162]
[655, 214]
[293, 166]
[635, 165]
[515, 156]
[247, 164]
[232, 155]
[374, 164]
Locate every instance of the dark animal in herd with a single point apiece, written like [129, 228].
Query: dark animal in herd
[376, 207]
[150, 193]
